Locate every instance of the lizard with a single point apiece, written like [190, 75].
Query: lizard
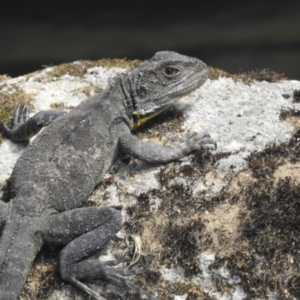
[60, 168]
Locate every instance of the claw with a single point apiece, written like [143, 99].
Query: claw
[20, 116]
[116, 261]
[87, 289]
[137, 249]
[16, 116]
[119, 280]
[194, 141]
[115, 276]
[207, 141]
[24, 115]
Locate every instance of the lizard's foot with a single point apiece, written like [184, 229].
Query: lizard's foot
[89, 269]
[23, 127]
[20, 116]
[90, 228]
[195, 141]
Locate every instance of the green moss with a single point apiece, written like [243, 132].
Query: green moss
[43, 277]
[68, 69]
[91, 90]
[117, 62]
[215, 73]
[9, 101]
[181, 245]
[169, 120]
[271, 231]
[248, 77]
[180, 288]
[266, 254]
[60, 106]
[287, 112]
[4, 77]
[264, 75]
[10, 97]
[263, 163]
[79, 69]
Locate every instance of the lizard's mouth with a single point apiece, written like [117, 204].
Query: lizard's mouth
[194, 83]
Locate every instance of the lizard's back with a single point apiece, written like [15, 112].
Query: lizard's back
[61, 167]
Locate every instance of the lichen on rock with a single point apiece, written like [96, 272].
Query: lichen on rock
[218, 224]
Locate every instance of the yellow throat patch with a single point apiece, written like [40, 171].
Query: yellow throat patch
[139, 119]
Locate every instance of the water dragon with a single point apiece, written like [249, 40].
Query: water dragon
[58, 171]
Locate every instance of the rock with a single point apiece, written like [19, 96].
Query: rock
[218, 224]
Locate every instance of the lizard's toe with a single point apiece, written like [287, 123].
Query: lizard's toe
[20, 116]
[207, 142]
[196, 141]
[118, 279]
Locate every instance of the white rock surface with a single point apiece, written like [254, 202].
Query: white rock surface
[241, 118]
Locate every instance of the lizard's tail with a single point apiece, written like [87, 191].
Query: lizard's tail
[19, 245]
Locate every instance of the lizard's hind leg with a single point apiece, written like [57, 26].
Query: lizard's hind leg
[87, 230]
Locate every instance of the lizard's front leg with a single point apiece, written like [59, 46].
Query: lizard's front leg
[154, 153]
[87, 230]
[23, 127]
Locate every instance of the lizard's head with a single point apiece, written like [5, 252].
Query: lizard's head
[161, 81]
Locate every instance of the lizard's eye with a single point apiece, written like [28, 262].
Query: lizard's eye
[171, 72]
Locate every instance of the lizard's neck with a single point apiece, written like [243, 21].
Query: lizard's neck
[125, 88]
[120, 94]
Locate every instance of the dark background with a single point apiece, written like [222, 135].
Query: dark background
[231, 35]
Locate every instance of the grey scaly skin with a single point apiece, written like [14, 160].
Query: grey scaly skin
[58, 171]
